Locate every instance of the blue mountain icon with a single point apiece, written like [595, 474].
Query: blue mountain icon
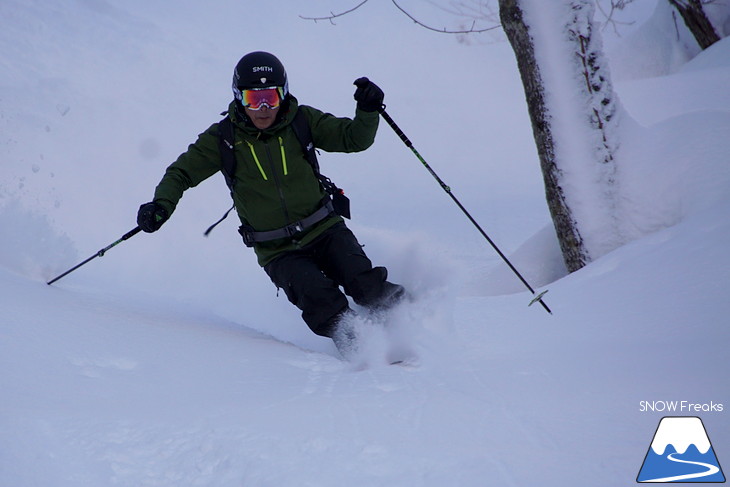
[680, 452]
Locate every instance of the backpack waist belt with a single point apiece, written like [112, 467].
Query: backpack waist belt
[251, 236]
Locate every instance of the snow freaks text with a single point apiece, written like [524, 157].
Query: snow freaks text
[682, 407]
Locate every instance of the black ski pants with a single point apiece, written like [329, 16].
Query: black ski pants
[312, 276]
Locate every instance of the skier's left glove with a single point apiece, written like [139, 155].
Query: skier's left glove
[369, 96]
[151, 216]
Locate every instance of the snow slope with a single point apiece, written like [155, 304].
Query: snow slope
[171, 361]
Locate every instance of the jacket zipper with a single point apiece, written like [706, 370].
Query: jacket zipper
[277, 182]
[283, 156]
[256, 160]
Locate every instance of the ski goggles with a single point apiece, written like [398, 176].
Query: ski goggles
[256, 98]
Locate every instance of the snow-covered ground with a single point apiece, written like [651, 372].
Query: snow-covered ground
[171, 361]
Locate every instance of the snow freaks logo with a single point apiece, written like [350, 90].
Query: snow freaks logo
[680, 452]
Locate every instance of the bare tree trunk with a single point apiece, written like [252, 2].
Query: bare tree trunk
[696, 21]
[575, 254]
[574, 113]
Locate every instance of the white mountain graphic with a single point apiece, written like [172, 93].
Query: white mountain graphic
[680, 432]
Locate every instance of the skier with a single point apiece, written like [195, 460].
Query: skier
[286, 214]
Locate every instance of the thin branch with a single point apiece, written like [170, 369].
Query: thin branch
[615, 5]
[471, 30]
[334, 15]
[444, 30]
[473, 9]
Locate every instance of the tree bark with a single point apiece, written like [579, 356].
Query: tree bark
[572, 246]
[696, 20]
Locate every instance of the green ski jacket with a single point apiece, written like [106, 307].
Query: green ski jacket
[275, 184]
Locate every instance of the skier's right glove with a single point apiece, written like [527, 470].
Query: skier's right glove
[368, 95]
[151, 216]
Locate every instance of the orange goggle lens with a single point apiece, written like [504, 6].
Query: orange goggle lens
[257, 98]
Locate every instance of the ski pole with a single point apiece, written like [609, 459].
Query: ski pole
[445, 187]
[100, 253]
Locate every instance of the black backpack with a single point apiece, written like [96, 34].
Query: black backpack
[339, 202]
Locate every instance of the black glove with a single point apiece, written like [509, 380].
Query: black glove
[368, 95]
[151, 216]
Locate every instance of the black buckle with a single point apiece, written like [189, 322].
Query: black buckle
[294, 228]
[247, 233]
[341, 203]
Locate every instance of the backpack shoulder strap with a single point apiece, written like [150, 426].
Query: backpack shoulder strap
[301, 128]
[226, 140]
[303, 132]
[228, 162]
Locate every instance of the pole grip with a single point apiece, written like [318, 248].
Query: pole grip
[131, 233]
